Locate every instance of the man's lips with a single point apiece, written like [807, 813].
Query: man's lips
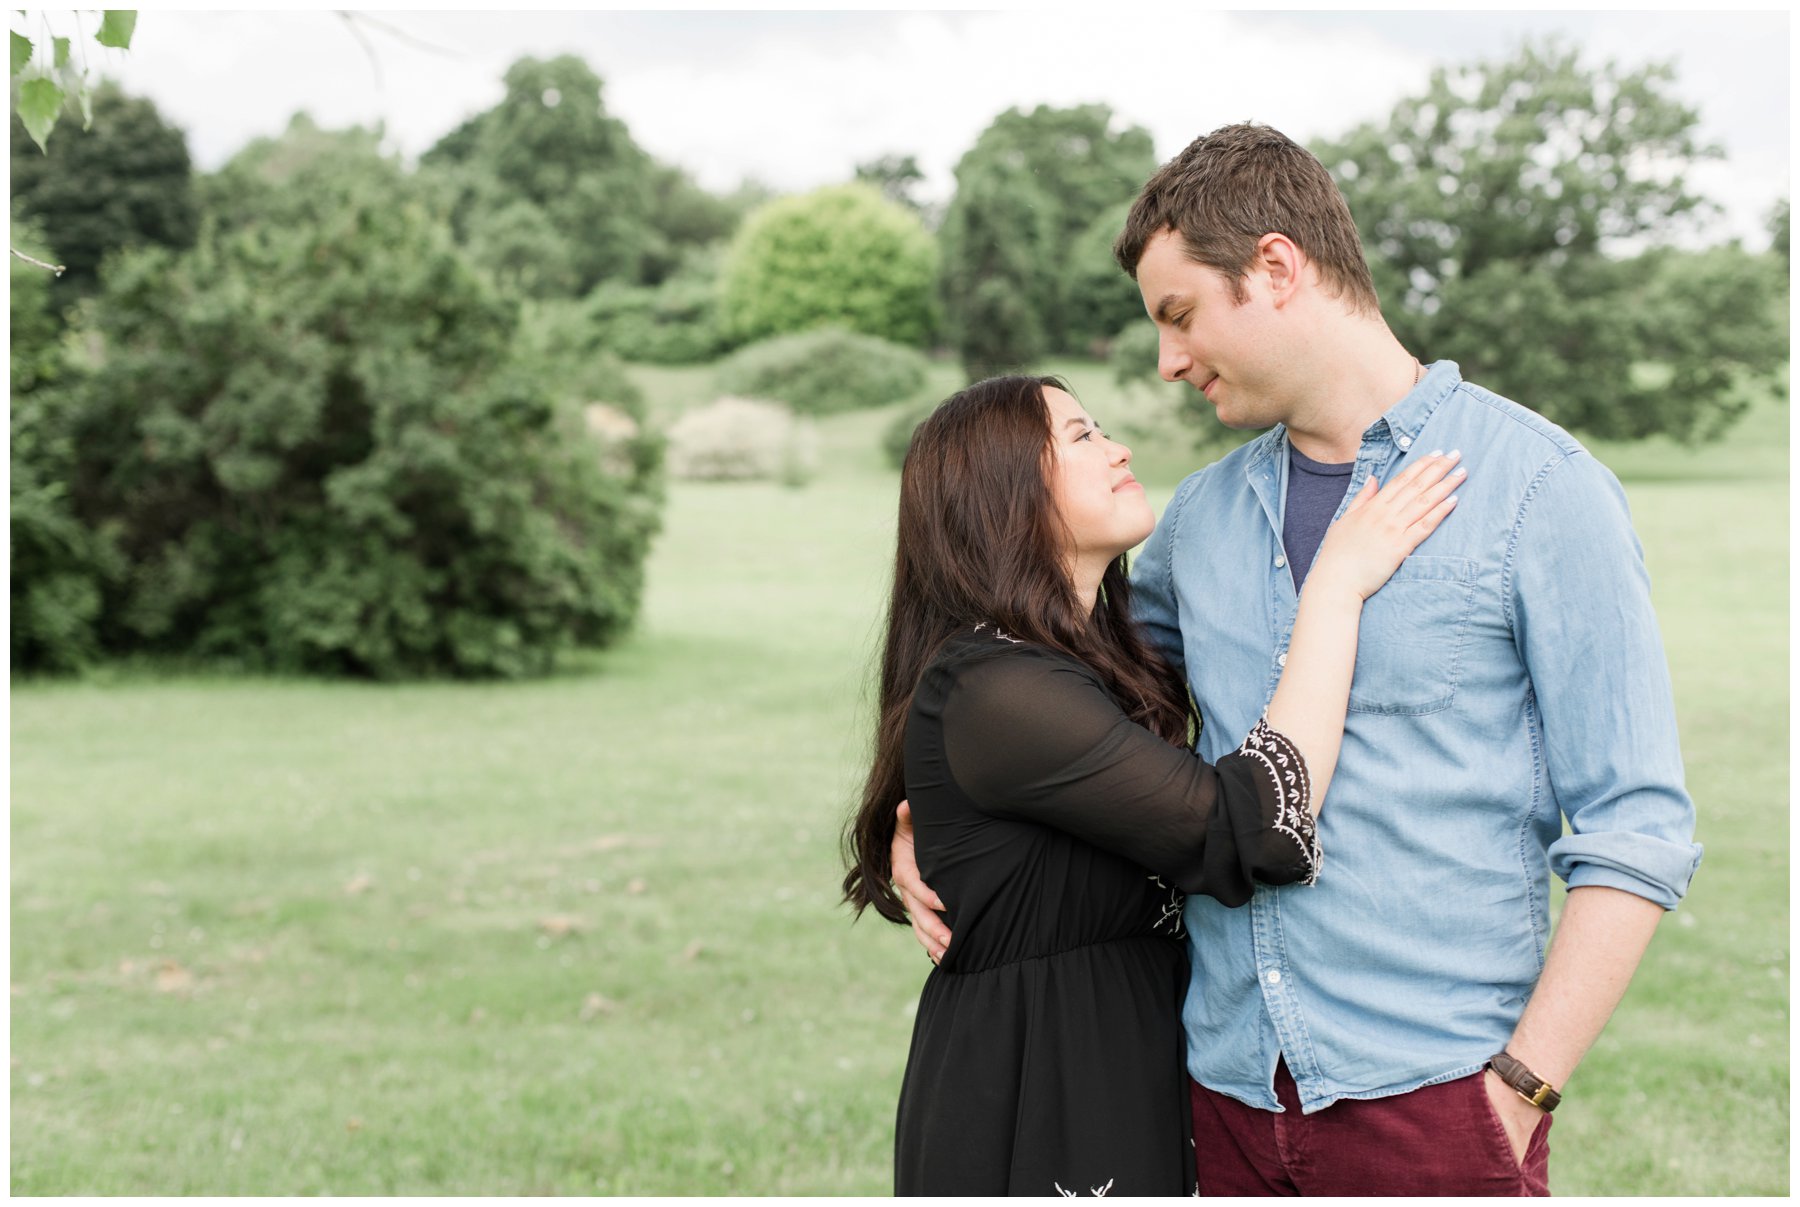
[1207, 388]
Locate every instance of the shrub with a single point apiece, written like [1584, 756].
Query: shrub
[896, 438]
[568, 354]
[842, 256]
[743, 438]
[820, 372]
[320, 450]
[675, 323]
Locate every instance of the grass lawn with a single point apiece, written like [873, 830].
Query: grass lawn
[580, 935]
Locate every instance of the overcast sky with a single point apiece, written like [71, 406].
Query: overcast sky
[796, 99]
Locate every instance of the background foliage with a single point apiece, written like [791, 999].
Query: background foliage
[552, 190]
[1493, 208]
[311, 443]
[124, 182]
[841, 256]
[824, 370]
[1030, 195]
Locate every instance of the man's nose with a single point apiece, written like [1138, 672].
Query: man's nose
[1171, 360]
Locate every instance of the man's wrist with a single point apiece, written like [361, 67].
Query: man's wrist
[1523, 1082]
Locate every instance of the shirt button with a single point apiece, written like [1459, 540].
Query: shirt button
[1280, 561]
[1275, 976]
[1281, 660]
[1406, 442]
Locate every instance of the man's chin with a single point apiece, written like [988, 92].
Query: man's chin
[1238, 423]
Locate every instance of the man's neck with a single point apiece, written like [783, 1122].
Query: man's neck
[1363, 373]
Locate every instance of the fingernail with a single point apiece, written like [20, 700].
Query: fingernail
[1451, 499]
[1454, 453]
[1437, 452]
[1459, 471]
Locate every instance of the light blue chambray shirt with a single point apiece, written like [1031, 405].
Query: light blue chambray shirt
[1509, 675]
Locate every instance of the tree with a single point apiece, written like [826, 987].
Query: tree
[553, 194]
[1101, 299]
[59, 566]
[1493, 207]
[998, 269]
[318, 444]
[124, 182]
[897, 176]
[839, 256]
[1026, 192]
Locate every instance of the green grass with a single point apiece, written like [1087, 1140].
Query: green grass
[580, 935]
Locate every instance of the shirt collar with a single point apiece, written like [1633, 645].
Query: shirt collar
[1406, 418]
[1403, 421]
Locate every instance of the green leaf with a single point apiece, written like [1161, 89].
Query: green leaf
[39, 103]
[116, 26]
[62, 51]
[21, 53]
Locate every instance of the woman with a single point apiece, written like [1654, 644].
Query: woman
[1044, 747]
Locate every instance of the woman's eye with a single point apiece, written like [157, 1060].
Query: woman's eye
[1087, 433]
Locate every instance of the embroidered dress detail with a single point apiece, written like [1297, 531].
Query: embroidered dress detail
[1098, 1192]
[1168, 918]
[999, 632]
[1287, 772]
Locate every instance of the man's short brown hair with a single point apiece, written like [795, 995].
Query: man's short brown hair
[1235, 185]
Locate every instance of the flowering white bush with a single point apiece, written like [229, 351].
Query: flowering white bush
[743, 438]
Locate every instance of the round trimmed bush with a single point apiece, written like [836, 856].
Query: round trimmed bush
[821, 372]
[844, 256]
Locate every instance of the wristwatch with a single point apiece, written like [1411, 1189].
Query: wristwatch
[1525, 1083]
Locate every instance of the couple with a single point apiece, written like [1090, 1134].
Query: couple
[1367, 1006]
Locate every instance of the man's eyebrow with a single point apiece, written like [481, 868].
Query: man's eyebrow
[1162, 307]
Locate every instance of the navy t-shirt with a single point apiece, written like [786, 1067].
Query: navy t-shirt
[1314, 491]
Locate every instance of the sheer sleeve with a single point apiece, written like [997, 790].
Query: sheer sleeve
[1034, 736]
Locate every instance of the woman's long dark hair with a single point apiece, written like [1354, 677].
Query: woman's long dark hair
[980, 539]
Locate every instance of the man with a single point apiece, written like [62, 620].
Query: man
[1397, 1028]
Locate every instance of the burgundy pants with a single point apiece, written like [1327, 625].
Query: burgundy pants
[1442, 1139]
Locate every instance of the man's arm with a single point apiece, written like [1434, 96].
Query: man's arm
[1598, 943]
[922, 905]
[1579, 601]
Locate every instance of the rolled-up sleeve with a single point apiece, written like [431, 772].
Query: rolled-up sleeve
[1579, 597]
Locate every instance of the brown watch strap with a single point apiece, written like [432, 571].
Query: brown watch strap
[1525, 1083]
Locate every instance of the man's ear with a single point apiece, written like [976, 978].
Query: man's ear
[1282, 262]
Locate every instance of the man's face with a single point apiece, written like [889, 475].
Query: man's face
[1206, 337]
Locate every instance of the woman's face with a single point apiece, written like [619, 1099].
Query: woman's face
[1100, 502]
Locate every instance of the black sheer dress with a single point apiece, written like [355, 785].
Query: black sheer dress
[1048, 1055]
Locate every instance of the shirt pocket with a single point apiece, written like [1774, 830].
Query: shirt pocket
[1409, 644]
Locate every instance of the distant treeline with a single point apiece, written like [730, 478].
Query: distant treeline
[319, 411]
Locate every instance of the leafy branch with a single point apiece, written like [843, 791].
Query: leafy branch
[44, 74]
[45, 77]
